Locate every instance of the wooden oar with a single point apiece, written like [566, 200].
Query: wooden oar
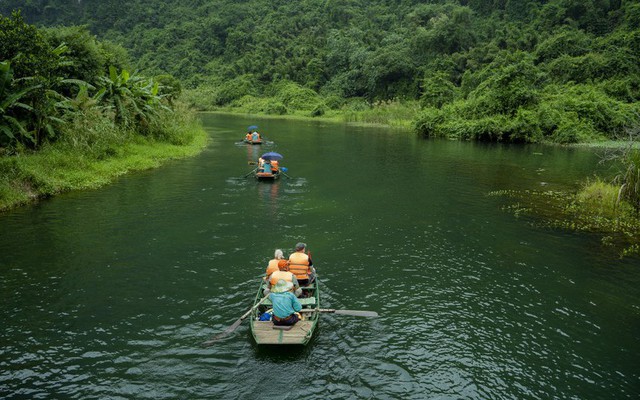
[355, 313]
[251, 172]
[233, 326]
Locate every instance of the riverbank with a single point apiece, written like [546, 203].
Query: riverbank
[58, 168]
[395, 114]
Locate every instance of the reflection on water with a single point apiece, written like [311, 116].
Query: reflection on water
[109, 293]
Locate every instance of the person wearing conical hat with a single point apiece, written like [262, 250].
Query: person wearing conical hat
[285, 304]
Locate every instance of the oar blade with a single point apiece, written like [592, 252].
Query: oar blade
[222, 334]
[357, 313]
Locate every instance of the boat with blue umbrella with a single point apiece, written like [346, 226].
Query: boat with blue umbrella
[252, 136]
[269, 166]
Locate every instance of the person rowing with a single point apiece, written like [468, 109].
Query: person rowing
[285, 304]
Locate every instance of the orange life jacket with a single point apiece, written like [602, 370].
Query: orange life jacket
[299, 265]
[272, 267]
[276, 276]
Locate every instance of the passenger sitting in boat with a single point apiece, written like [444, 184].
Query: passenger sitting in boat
[266, 167]
[285, 304]
[248, 136]
[273, 264]
[282, 273]
[255, 136]
[275, 167]
[301, 265]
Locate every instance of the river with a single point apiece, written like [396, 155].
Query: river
[108, 293]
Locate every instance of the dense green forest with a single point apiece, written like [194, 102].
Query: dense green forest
[538, 70]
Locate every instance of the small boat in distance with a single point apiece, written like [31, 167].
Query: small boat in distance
[252, 136]
[250, 141]
[265, 332]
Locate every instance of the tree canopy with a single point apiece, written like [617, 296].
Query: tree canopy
[470, 63]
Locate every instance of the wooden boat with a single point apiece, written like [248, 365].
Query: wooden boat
[267, 176]
[249, 141]
[264, 332]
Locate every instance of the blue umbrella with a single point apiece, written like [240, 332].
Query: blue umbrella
[271, 156]
[252, 128]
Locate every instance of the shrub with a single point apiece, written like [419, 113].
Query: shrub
[296, 97]
[429, 121]
[235, 88]
[571, 129]
[437, 90]
[274, 107]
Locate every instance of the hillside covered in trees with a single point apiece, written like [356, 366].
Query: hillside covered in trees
[504, 70]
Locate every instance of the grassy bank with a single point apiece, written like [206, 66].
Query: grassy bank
[60, 167]
[294, 102]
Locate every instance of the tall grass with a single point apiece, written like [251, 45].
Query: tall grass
[93, 152]
[630, 178]
[392, 113]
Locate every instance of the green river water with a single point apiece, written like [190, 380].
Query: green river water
[108, 293]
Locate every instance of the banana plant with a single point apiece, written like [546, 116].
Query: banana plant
[12, 121]
[134, 100]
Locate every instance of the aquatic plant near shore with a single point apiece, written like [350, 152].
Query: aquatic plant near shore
[594, 208]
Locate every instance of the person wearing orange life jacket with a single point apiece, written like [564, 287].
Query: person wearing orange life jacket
[301, 265]
[273, 264]
[282, 274]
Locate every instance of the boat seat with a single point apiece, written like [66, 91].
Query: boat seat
[283, 327]
[311, 287]
[309, 301]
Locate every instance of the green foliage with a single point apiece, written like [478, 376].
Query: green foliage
[493, 65]
[295, 97]
[170, 87]
[629, 178]
[84, 58]
[606, 116]
[235, 88]
[442, 29]
[391, 71]
[567, 41]
[390, 112]
[12, 130]
[511, 82]
[26, 47]
[600, 198]
[437, 90]
[594, 208]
